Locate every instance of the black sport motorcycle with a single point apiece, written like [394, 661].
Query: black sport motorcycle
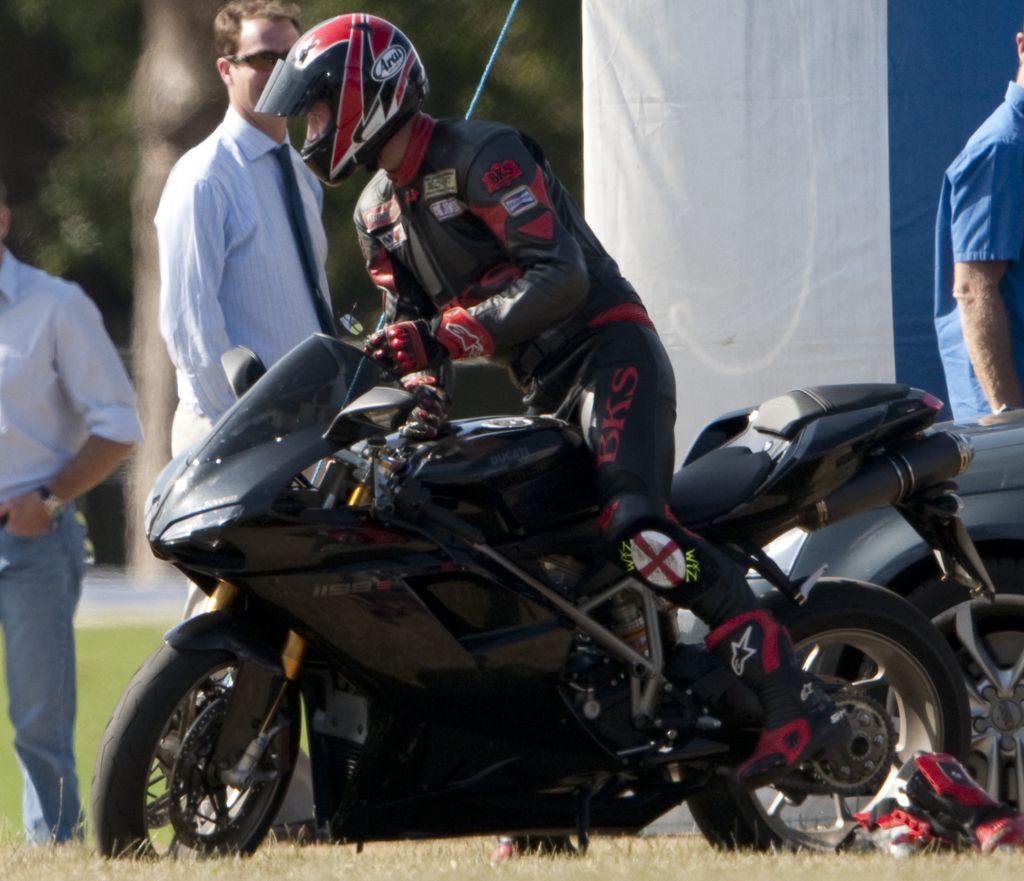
[465, 656]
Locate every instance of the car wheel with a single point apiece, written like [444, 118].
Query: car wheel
[988, 639]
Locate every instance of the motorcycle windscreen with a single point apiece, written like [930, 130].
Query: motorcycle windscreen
[304, 390]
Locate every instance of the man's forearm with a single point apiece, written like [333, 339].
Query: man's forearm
[25, 515]
[96, 459]
[986, 329]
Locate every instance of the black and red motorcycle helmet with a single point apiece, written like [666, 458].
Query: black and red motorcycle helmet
[369, 74]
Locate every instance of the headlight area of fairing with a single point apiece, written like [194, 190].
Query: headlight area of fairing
[191, 528]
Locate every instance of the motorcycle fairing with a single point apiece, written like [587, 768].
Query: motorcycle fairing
[269, 435]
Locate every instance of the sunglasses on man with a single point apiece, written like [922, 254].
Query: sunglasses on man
[264, 60]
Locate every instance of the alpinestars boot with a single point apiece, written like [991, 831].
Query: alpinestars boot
[799, 717]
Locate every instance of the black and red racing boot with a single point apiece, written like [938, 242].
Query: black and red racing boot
[800, 719]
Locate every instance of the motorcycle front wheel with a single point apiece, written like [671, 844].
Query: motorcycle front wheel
[155, 790]
[880, 647]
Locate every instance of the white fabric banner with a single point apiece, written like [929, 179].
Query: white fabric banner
[736, 166]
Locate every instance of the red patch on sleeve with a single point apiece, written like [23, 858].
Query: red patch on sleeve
[540, 190]
[542, 227]
[494, 218]
[496, 279]
[382, 272]
[500, 175]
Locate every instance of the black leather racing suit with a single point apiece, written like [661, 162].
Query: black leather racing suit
[475, 218]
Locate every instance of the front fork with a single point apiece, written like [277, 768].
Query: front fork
[256, 685]
[260, 684]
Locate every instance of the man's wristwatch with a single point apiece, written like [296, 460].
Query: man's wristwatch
[52, 504]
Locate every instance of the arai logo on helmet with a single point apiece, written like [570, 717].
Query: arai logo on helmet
[388, 64]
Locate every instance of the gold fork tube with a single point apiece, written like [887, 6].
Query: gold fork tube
[223, 596]
[359, 496]
[292, 654]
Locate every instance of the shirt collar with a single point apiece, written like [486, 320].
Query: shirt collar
[1015, 96]
[8, 277]
[251, 141]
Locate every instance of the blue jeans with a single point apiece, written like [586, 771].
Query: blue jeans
[40, 584]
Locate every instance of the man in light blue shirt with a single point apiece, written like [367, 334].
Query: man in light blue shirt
[67, 418]
[979, 270]
[231, 269]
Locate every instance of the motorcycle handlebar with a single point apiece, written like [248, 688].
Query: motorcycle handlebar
[893, 476]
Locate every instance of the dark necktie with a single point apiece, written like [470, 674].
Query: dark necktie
[297, 215]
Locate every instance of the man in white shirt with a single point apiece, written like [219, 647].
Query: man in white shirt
[231, 264]
[67, 418]
[232, 271]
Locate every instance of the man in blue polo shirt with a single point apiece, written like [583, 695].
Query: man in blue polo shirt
[979, 270]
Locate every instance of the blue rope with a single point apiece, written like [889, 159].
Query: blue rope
[494, 55]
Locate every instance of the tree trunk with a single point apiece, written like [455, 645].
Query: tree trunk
[178, 99]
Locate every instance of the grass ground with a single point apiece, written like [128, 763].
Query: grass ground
[609, 859]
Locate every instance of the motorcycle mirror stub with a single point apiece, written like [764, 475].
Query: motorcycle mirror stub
[243, 368]
[381, 406]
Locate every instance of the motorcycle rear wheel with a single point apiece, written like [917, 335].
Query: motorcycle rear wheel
[154, 791]
[877, 642]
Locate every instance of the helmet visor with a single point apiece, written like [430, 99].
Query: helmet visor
[290, 91]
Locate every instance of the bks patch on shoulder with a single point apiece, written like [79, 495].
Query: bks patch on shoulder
[500, 175]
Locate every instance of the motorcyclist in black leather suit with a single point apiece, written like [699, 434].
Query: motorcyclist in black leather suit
[480, 252]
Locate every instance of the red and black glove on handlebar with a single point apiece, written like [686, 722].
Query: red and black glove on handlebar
[405, 347]
[431, 411]
[409, 346]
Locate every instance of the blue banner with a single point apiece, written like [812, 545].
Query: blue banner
[949, 63]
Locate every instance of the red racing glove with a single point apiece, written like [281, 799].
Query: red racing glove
[405, 347]
[463, 336]
[409, 346]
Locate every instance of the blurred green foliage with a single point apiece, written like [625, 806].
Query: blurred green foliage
[69, 149]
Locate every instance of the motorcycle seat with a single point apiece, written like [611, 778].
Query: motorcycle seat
[716, 483]
[785, 415]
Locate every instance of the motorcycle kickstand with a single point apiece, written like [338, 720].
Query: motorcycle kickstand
[582, 819]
